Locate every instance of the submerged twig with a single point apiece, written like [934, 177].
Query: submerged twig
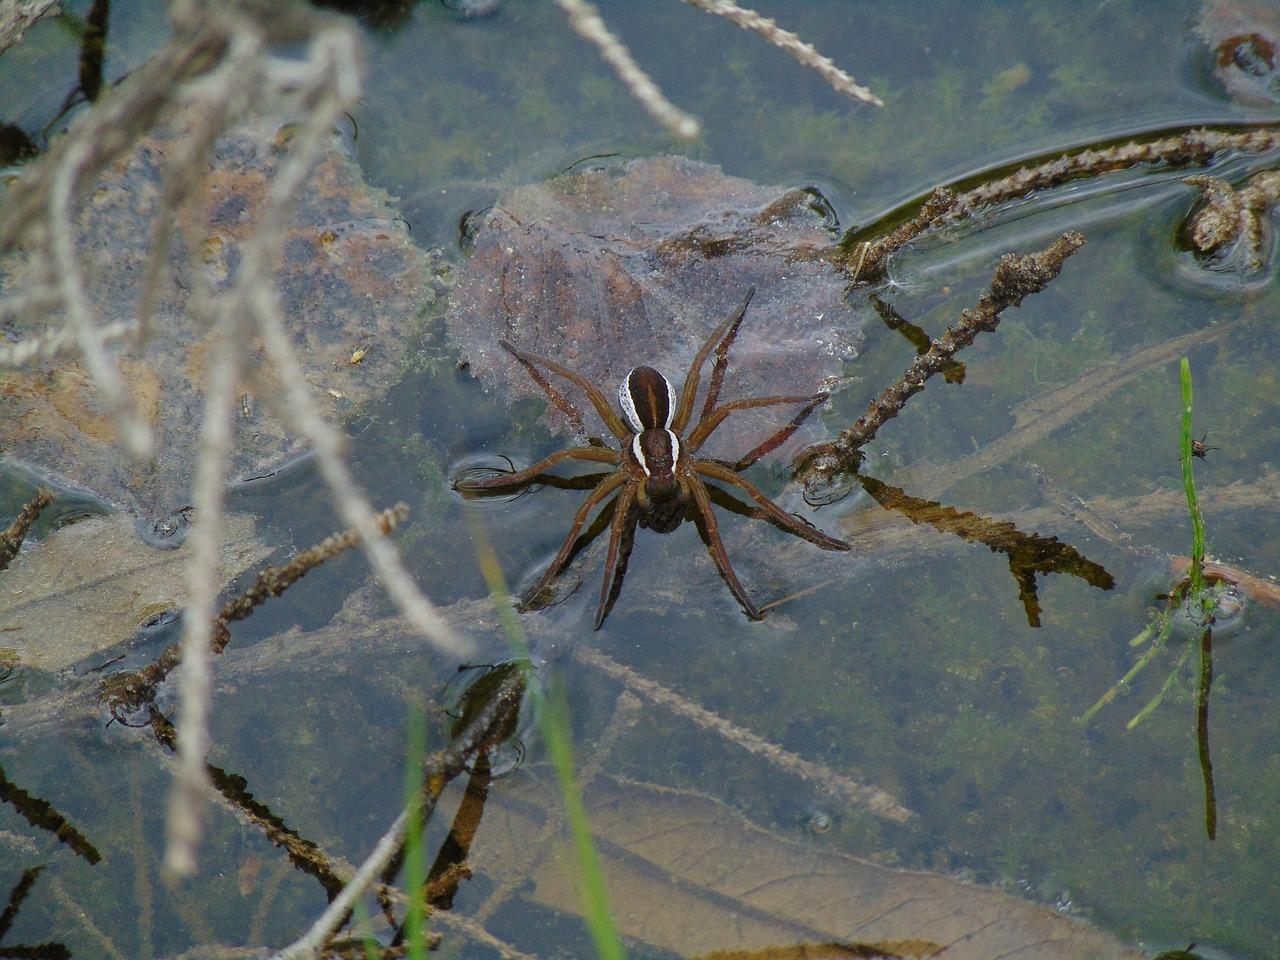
[866, 260]
[868, 796]
[439, 770]
[11, 537]
[1018, 276]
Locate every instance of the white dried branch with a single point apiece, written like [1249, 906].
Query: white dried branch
[354, 509]
[186, 802]
[62, 247]
[326, 442]
[804, 52]
[191, 785]
[587, 23]
[53, 342]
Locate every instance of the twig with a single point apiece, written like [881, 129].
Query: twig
[587, 23]
[53, 342]
[866, 260]
[1018, 276]
[870, 797]
[11, 538]
[62, 248]
[440, 768]
[804, 52]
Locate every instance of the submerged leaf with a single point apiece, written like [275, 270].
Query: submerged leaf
[637, 263]
[91, 585]
[689, 875]
[349, 278]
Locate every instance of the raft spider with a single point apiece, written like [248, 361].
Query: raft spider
[658, 480]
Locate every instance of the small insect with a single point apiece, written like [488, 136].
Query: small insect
[658, 481]
[1199, 449]
[358, 354]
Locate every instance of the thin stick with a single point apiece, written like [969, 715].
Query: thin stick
[1018, 276]
[840, 81]
[587, 23]
[868, 796]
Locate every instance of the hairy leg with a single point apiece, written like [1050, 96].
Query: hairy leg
[690, 391]
[710, 531]
[563, 555]
[504, 481]
[607, 414]
[782, 519]
[623, 519]
[707, 425]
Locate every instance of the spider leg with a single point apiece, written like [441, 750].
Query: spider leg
[781, 437]
[782, 519]
[690, 392]
[611, 419]
[708, 424]
[504, 481]
[565, 553]
[710, 531]
[562, 403]
[722, 356]
[615, 564]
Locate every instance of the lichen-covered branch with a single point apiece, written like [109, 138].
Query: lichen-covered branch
[1018, 276]
[1231, 220]
[866, 260]
[11, 538]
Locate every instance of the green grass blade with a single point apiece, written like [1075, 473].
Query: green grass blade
[1189, 486]
[553, 723]
[415, 863]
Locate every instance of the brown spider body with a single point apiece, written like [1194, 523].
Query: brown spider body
[658, 479]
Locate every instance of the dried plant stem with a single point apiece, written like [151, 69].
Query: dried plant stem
[354, 509]
[185, 802]
[1018, 276]
[53, 342]
[791, 43]
[135, 434]
[11, 538]
[870, 797]
[586, 22]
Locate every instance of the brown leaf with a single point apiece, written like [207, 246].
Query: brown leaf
[638, 263]
[689, 875]
[90, 585]
[349, 275]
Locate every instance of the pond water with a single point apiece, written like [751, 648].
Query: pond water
[911, 664]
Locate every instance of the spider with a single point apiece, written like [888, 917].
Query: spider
[658, 480]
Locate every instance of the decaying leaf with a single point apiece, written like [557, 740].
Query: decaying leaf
[637, 263]
[349, 274]
[687, 874]
[92, 584]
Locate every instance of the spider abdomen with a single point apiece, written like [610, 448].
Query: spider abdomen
[647, 398]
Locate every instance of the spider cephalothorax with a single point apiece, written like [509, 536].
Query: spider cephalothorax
[658, 480]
